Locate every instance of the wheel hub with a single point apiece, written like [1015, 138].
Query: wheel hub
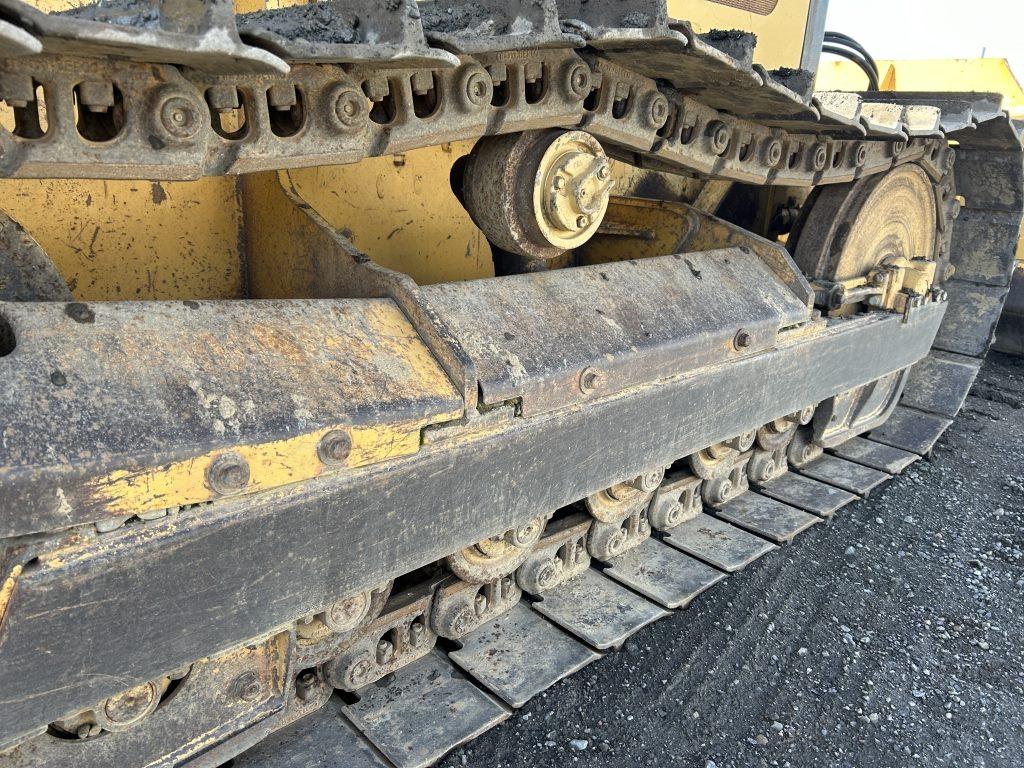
[572, 188]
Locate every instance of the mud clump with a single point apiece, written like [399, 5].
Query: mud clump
[314, 23]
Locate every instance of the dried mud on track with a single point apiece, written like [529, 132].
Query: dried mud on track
[892, 637]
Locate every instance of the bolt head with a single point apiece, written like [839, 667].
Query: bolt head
[743, 339]
[604, 173]
[334, 447]
[583, 221]
[228, 474]
[590, 380]
[247, 687]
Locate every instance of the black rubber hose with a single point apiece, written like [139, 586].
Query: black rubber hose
[849, 42]
[857, 59]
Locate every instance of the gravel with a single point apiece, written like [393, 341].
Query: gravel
[862, 644]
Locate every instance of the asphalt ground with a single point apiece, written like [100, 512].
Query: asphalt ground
[893, 636]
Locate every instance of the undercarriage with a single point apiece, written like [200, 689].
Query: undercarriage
[356, 515]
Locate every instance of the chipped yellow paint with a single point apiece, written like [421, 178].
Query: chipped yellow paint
[388, 341]
[272, 464]
[7, 590]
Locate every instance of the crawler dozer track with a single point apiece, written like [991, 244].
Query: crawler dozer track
[358, 519]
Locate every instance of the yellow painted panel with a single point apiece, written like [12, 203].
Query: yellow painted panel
[401, 211]
[780, 34]
[135, 239]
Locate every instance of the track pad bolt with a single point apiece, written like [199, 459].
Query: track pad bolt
[743, 339]
[247, 687]
[334, 447]
[590, 380]
[223, 98]
[376, 89]
[228, 474]
[282, 97]
[96, 96]
[385, 650]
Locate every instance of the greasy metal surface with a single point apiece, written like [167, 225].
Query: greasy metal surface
[597, 610]
[662, 574]
[807, 494]
[520, 654]
[208, 706]
[120, 408]
[423, 712]
[875, 455]
[852, 477]
[767, 517]
[324, 738]
[911, 430]
[507, 324]
[62, 604]
[718, 543]
[939, 384]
